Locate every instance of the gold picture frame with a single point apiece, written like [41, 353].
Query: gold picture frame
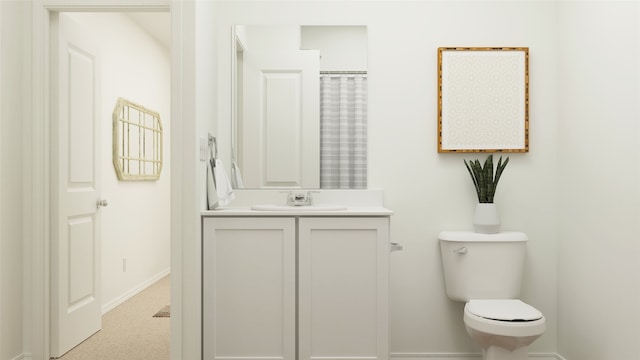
[483, 99]
[137, 142]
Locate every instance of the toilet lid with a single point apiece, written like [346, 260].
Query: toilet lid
[503, 310]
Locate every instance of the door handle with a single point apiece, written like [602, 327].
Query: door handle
[395, 247]
[101, 203]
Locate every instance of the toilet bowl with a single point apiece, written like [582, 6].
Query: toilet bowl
[504, 328]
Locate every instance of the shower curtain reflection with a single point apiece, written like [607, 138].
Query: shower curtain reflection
[343, 130]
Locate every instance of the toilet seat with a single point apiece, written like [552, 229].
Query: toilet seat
[503, 310]
[514, 317]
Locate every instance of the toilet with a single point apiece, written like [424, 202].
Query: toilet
[485, 272]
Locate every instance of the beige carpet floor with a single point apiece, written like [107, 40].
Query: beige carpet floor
[130, 332]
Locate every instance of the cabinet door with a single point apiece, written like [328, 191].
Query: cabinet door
[343, 288]
[249, 290]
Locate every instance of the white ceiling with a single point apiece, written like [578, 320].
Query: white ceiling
[156, 24]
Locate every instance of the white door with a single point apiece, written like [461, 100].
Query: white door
[75, 237]
[281, 119]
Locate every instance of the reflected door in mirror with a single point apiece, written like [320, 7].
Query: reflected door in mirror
[280, 143]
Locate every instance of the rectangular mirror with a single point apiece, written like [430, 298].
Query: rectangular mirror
[299, 116]
[483, 99]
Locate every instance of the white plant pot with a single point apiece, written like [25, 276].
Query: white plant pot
[485, 219]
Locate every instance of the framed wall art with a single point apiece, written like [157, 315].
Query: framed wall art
[137, 142]
[483, 99]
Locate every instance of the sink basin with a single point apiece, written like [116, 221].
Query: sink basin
[269, 207]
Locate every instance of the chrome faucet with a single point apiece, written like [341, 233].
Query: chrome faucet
[296, 198]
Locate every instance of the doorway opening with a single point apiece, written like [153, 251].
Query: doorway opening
[130, 57]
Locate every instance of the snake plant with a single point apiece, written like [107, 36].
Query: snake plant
[483, 177]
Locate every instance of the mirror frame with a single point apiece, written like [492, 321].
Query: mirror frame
[137, 141]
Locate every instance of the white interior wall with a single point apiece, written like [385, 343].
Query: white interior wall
[1, 173]
[342, 48]
[206, 64]
[12, 86]
[135, 224]
[599, 180]
[261, 38]
[430, 192]
[197, 63]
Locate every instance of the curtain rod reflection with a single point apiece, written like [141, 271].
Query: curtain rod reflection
[343, 72]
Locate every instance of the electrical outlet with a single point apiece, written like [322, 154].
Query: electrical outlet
[124, 264]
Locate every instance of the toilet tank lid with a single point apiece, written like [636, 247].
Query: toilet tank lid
[503, 309]
[470, 236]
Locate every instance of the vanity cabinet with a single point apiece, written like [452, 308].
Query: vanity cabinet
[249, 288]
[295, 287]
[343, 287]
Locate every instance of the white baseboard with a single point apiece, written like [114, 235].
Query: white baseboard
[133, 292]
[434, 356]
[429, 356]
[22, 357]
[463, 356]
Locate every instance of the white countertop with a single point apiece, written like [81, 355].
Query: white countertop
[349, 211]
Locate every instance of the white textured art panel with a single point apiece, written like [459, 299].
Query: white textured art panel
[483, 100]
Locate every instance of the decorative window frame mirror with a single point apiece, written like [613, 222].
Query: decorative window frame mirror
[483, 99]
[137, 142]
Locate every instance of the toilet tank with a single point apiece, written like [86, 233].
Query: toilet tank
[482, 266]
